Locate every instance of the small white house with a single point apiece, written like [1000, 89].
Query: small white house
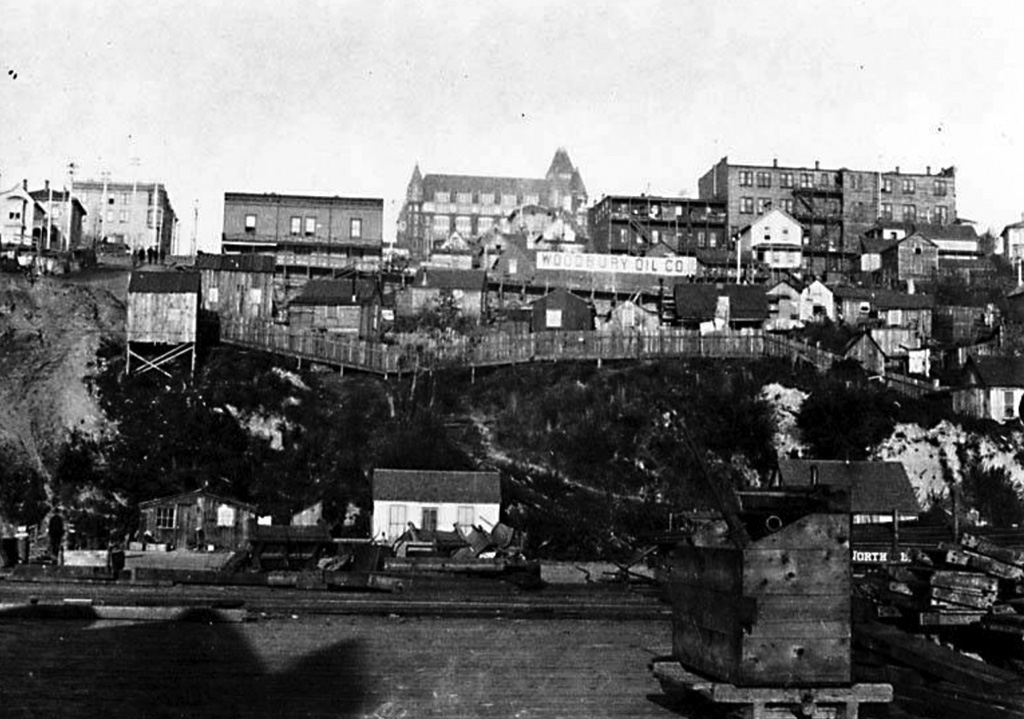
[433, 500]
[817, 302]
[992, 388]
[775, 239]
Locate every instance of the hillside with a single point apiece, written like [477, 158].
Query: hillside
[590, 458]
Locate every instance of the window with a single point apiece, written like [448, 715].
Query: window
[428, 519]
[14, 215]
[786, 179]
[826, 180]
[225, 515]
[886, 211]
[442, 198]
[355, 228]
[149, 218]
[126, 198]
[513, 265]
[296, 226]
[623, 236]
[250, 223]
[123, 216]
[396, 520]
[886, 184]
[806, 180]
[910, 213]
[484, 224]
[508, 200]
[909, 186]
[746, 178]
[701, 239]
[531, 199]
[746, 205]
[165, 517]
[712, 239]
[465, 516]
[553, 319]
[310, 226]
[464, 198]
[486, 198]
[763, 205]
[463, 225]
[939, 188]
[786, 205]
[1008, 409]
[941, 214]
[925, 215]
[764, 179]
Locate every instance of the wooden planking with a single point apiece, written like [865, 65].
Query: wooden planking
[162, 318]
[780, 615]
[711, 652]
[799, 660]
[990, 549]
[798, 571]
[813, 531]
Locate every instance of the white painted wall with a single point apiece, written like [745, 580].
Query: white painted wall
[483, 515]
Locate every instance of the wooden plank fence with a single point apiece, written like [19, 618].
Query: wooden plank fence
[490, 350]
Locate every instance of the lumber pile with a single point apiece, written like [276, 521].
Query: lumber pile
[933, 681]
[972, 582]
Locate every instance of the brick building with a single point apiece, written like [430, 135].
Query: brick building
[436, 206]
[636, 224]
[137, 214]
[305, 231]
[835, 206]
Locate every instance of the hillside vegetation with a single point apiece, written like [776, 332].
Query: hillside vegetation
[591, 458]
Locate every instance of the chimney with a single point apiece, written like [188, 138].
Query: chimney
[47, 186]
[928, 170]
[24, 184]
[775, 162]
[817, 165]
[897, 169]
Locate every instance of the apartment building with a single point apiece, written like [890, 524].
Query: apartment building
[137, 214]
[438, 205]
[834, 205]
[637, 224]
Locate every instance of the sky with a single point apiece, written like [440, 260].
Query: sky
[344, 98]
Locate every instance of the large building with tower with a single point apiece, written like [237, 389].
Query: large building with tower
[835, 206]
[439, 206]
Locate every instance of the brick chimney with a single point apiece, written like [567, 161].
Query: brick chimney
[775, 162]
[817, 165]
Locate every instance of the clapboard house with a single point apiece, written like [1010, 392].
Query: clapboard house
[562, 310]
[163, 318]
[431, 500]
[237, 287]
[349, 306]
[196, 519]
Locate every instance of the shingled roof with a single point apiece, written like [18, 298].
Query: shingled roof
[698, 301]
[997, 371]
[164, 282]
[236, 263]
[348, 291]
[418, 485]
[875, 487]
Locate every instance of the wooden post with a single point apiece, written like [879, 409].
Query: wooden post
[895, 535]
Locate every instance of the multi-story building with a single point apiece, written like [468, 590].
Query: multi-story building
[637, 224]
[22, 218]
[835, 206]
[136, 214]
[305, 231]
[436, 206]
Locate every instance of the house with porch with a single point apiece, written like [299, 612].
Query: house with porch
[433, 499]
[991, 388]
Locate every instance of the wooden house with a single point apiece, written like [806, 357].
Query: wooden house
[775, 239]
[720, 306]
[884, 308]
[878, 490]
[784, 305]
[629, 316]
[867, 353]
[347, 306]
[991, 388]
[432, 500]
[1015, 304]
[237, 286]
[914, 258]
[163, 310]
[562, 310]
[817, 302]
[196, 519]
[466, 287]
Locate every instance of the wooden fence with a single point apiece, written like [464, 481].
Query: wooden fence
[496, 349]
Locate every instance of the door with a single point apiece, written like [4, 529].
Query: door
[184, 525]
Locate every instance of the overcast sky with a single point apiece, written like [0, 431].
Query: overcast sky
[344, 97]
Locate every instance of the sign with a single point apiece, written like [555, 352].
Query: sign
[862, 557]
[589, 262]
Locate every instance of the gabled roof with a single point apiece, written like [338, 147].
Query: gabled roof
[875, 245]
[59, 196]
[997, 371]
[348, 291]
[885, 299]
[434, 486]
[164, 282]
[875, 487]
[946, 232]
[195, 494]
[696, 301]
[894, 244]
[450, 279]
[865, 338]
[236, 263]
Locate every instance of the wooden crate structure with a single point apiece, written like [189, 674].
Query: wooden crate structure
[163, 317]
[774, 613]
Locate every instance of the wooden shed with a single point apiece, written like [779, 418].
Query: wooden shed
[775, 612]
[237, 286]
[163, 310]
[197, 519]
[562, 310]
[346, 306]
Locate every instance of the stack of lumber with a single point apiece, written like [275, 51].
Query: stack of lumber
[930, 680]
[959, 584]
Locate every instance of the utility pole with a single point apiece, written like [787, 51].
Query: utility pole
[66, 245]
[156, 219]
[195, 226]
[104, 204]
[134, 211]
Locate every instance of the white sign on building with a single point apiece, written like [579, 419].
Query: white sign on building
[589, 262]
